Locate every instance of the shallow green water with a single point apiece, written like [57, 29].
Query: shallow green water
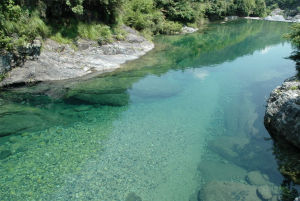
[166, 125]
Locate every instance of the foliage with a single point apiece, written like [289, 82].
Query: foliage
[245, 7]
[140, 14]
[283, 4]
[287, 192]
[144, 16]
[18, 26]
[67, 20]
[260, 8]
[177, 10]
[294, 35]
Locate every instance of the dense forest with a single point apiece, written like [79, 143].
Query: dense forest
[67, 20]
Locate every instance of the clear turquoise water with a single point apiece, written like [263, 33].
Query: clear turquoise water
[188, 113]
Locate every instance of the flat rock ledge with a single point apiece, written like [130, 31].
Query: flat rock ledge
[282, 117]
[60, 62]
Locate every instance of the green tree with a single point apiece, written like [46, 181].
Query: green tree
[260, 8]
[294, 36]
[177, 10]
[245, 7]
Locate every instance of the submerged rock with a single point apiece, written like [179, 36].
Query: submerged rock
[256, 178]
[245, 152]
[221, 171]
[228, 191]
[282, 117]
[228, 146]
[264, 192]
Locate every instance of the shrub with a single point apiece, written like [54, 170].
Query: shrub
[177, 10]
[170, 27]
[19, 26]
[139, 14]
[94, 31]
[260, 8]
[294, 35]
[245, 7]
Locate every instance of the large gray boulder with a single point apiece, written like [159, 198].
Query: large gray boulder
[282, 118]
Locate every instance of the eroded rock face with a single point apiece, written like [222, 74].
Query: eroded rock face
[282, 118]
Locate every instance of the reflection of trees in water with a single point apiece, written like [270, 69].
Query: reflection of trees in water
[221, 43]
[288, 160]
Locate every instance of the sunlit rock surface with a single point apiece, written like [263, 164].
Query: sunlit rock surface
[59, 62]
[282, 118]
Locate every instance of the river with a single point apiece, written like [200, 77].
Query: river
[186, 115]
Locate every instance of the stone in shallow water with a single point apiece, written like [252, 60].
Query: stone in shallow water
[221, 171]
[256, 178]
[133, 197]
[228, 191]
[264, 192]
[227, 146]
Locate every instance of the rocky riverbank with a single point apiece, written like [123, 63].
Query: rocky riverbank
[52, 61]
[282, 118]
[282, 16]
[279, 15]
[59, 62]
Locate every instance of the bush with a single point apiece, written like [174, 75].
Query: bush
[19, 26]
[217, 9]
[94, 31]
[170, 27]
[139, 14]
[73, 30]
[245, 7]
[260, 8]
[294, 36]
